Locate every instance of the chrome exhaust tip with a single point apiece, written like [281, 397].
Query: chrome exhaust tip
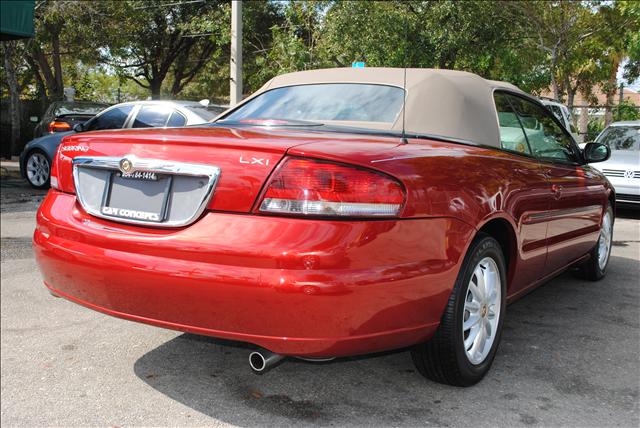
[263, 360]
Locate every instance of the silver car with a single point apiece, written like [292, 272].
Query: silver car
[35, 159]
[623, 167]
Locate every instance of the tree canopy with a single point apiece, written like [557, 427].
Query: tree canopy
[180, 48]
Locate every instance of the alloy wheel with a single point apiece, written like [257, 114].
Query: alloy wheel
[482, 310]
[604, 241]
[37, 169]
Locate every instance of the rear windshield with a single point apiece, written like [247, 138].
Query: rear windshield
[79, 108]
[206, 113]
[346, 102]
[621, 137]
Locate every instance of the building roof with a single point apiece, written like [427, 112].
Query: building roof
[628, 94]
[447, 103]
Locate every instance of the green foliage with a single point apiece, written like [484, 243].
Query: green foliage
[179, 48]
[374, 32]
[594, 128]
[259, 17]
[631, 10]
[626, 111]
[162, 38]
[94, 84]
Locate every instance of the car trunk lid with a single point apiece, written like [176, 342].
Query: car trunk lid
[244, 160]
[241, 159]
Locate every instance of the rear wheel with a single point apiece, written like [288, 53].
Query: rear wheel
[595, 268]
[38, 169]
[463, 348]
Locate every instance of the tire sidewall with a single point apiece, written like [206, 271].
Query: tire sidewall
[485, 247]
[46, 184]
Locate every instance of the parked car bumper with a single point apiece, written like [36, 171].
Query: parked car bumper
[314, 288]
[627, 190]
[23, 155]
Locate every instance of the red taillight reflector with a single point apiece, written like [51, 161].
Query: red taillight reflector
[310, 187]
[59, 127]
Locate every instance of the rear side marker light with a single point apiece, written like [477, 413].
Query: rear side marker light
[53, 174]
[318, 188]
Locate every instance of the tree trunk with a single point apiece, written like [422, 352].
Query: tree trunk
[155, 85]
[612, 87]
[571, 94]
[57, 66]
[552, 69]
[54, 92]
[14, 93]
[41, 87]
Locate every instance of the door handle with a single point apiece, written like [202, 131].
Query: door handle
[556, 189]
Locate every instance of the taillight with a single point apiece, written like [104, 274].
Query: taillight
[311, 187]
[53, 180]
[56, 126]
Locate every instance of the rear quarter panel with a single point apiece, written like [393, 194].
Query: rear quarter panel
[469, 183]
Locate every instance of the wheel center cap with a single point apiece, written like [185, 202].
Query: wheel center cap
[483, 311]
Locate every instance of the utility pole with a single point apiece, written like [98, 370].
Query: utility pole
[236, 53]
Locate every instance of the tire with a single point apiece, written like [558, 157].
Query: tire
[37, 169]
[595, 268]
[445, 358]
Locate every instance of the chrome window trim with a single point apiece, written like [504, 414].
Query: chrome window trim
[148, 165]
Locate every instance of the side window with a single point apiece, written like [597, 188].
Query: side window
[567, 116]
[556, 112]
[512, 136]
[112, 119]
[547, 139]
[176, 120]
[152, 116]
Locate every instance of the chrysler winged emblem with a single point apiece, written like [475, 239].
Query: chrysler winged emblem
[126, 166]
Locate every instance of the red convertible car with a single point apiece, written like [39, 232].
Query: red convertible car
[333, 213]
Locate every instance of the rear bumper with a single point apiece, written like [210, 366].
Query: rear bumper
[311, 288]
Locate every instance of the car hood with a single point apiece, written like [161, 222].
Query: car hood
[621, 159]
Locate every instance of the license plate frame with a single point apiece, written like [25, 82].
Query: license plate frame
[155, 216]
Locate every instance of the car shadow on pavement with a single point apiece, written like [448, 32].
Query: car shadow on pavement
[556, 357]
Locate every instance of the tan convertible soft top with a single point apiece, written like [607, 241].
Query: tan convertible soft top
[453, 104]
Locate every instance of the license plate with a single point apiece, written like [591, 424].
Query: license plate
[139, 195]
[139, 175]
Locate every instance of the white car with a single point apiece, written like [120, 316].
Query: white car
[562, 113]
[623, 167]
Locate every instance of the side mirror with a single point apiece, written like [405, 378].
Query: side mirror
[79, 127]
[595, 152]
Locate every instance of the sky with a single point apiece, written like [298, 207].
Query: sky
[634, 86]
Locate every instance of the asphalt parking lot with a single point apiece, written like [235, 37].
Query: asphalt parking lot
[570, 356]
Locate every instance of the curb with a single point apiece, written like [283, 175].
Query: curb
[9, 172]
